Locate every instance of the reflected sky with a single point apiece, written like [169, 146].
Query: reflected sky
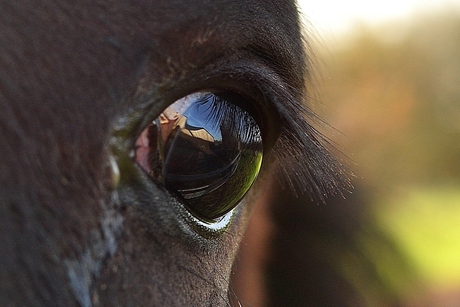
[199, 116]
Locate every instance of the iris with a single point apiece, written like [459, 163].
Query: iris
[206, 149]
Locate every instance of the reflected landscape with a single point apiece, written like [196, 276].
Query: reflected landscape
[200, 147]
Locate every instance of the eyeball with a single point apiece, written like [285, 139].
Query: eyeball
[206, 149]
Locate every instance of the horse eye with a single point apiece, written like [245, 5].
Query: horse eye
[205, 149]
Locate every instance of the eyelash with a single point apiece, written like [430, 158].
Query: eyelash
[300, 150]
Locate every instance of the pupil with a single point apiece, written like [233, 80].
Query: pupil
[205, 150]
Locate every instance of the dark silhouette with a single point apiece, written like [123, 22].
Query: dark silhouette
[81, 223]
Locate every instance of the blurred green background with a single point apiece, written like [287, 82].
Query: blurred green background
[391, 92]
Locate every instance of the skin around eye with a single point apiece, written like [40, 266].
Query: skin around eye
[205, 149]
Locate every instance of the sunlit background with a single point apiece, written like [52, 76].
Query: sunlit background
[388, 79]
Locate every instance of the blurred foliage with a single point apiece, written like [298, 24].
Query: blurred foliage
[393, 92]
[428, 236]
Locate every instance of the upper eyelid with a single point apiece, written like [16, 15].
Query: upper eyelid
[250, 78]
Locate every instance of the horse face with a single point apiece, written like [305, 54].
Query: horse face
[85, 219]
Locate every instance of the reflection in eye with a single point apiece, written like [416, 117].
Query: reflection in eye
[204, 149]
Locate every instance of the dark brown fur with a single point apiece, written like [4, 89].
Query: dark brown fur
[78, 82]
